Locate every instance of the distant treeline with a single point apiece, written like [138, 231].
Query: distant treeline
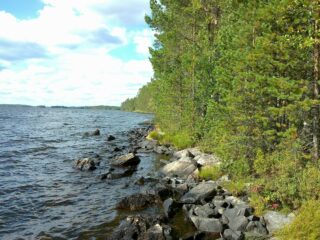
[241, 79]
[91, 107]
[81, 107]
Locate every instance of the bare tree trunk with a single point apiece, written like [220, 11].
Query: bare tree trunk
[315, 121]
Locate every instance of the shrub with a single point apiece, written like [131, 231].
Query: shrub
[306, 226]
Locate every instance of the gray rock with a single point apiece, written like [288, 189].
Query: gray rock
[275, 220]
[85, 164]
[148, 144]
[137, 201]
[207, 160]
[96, 132]
[212, 225]
[239, 210]
[257, 228]
[171, 207]
[234, 200]
[129, 159]
[238, 223]
[205, 211]
[119, 173]
[111, 138]
[183, 154]
[229, 234]
[141, 228]
[203, 191]
[155, 232]
[181, 168]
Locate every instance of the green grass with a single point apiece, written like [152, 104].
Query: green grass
[306, 225]
[210, 173]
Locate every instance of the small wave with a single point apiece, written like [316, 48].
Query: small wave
[58, 202]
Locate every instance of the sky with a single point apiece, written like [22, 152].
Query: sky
[73, 52]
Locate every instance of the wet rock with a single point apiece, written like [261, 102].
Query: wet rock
[110, 138]
[202, 192]
[162, 150]
[141, 228]
[163, 192]
[238, 223]
[85, 164]
[181, 168]
[233, 235]
[96, 132]
[119, 173]
[171, 207]
[275, 220]
[129, 159]
[137, 201]
[148, 144]
[156, 232]
[116, 149]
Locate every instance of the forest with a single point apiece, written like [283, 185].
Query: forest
[240, 79]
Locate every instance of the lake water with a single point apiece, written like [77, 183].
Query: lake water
[41, 194]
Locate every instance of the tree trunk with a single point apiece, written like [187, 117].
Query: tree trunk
[315, 121]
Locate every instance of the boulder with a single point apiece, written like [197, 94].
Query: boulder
[137, 201]
[212, 225]
[183, 154]
[181, 168]
[110, 138]
[237, 211]
[119, 173]
[202, 192]
[142, 228]
[129, 159]
[148, 144]
[257, 228]
[207, 160]
[238, 223]
[171, 207]
[155, 232]
[229, 234]
[85, 164]
[275, 220]
[205, 211]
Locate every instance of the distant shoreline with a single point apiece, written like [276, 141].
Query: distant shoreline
[101, 107]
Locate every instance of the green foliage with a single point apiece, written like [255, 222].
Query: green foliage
[258, 203]
[210, 173]
[305, 226]
[155, 135]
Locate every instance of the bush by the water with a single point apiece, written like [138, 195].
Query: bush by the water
[306, 225]
[210, 173]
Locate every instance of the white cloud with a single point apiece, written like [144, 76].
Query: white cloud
[143, 41]
[63, 55]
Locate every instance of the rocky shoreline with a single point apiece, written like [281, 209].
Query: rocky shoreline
[210, 211]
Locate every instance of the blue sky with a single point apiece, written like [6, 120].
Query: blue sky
[75, 52]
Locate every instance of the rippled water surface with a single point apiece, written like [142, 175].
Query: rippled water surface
[41, 194]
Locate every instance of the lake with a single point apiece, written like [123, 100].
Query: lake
[41, 193]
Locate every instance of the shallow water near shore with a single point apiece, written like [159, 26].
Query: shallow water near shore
[41, 194]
